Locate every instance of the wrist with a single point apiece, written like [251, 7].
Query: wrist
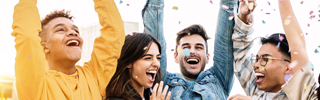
[244, 18]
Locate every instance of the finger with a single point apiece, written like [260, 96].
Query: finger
[160, 89]
[232, 97]
[168, 95]
[164, 92]
[154, 94]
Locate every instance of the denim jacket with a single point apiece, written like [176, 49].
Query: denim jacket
[212, 84]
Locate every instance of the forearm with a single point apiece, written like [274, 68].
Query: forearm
[223, 57]
[107, 47]
[293, 34]
[241, 46]
[30, 60]
[152, 16]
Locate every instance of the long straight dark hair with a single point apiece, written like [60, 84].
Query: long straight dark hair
[132, 50]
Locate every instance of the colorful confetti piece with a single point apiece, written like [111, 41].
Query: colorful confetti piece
[250, 6]
[261, 68]
[172, 49]
[289, 17]
[268, 13]
[315, 92]
[286, 77]
[287, 22]
[281, 38]
[295, 52]
[189, 34]
[224, 6]
[301, 69]
[128, 5]
[293, 64]
[121, 1]
[308, 25]
[311, 12]
[231, 17]
[301, 2]
[269, 3]
[145, 48]
[30, 56]
[186, 52]
[306, 33]
[316, 51]
[281, 1]
[306, 87]
[179, 49]
[179, 22]
[175, 8]
[136, 76]
[278, 44]
[211, 1]
[151, 90]
[263, 22]
[311, 66]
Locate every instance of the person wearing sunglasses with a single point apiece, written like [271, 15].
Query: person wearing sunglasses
[276, 72]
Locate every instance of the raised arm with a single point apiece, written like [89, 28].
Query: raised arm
[152, 15]
[107, 47]
[242, 44]
[223, 58]
[302, 84]
[30, 60]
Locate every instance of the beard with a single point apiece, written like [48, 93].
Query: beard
[187, 73]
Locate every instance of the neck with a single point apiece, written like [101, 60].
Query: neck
[66, 67]
[138, 88]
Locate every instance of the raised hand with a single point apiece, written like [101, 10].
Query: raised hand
[158, 94]
[246, 8]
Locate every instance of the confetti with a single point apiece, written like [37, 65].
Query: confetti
[211, 1]
[311, 66]
[319, 15]
[287, 22]
[186, 52]
[269, 3]
[261, 9]
[295, 52]
[311, 12]
[29, 56]
[301, 69]
[312, 16]
[301, 2]
[289, 16]
[130, 34]
[128, 5]
[250, 6]
[263, 22]
[172, 49]
[246, 2]
[224, 6]
[281, 38]
[231, 17]
[278, 45]
[306, 33]
[316, 51]
[289, 50]
[301, 34]
[261, 68]
[268, 13]
[145, 48]
[136, 76]
[282, 1]
[306, 87]
[286, 77]
[175, 8]
[179, 22]
[151, 90]
[121, 1]
[308, 25]
[179, 49]
[188, 33]
[315, 92]
[293, 64]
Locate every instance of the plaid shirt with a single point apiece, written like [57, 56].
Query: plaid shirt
[244, 71]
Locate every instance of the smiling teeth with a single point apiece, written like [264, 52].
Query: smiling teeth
[153, 72]
[192, 60]
[259, 74]
[73, 41]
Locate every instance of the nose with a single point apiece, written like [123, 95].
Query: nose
[256, 64]
[156, 63]
[73, 33]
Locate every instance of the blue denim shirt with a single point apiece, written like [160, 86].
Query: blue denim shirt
[214, 83]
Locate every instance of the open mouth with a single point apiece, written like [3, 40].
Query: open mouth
[73, 43]
[151, 75]
[259, 77]
[192, 61]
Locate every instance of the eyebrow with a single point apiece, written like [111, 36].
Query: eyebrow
[61, 24]
[264, 55]
[151, 55]
[200, 44]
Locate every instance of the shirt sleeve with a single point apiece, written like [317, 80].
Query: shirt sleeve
[30, 60]
[107, 47]
[241, 51]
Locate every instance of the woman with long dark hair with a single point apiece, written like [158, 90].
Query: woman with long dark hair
[137, 71]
